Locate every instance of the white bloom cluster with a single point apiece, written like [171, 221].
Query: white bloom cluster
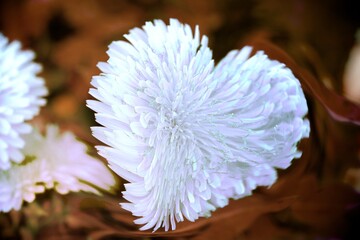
[21, 95]
[56, 161]
[188, 135]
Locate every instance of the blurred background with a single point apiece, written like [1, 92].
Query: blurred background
[316, 198]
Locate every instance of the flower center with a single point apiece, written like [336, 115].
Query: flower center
[175, 125]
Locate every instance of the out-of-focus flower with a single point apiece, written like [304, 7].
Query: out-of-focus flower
[352, 177]
[187, 135]
[351, 82]
[21, 95]
[56, 161]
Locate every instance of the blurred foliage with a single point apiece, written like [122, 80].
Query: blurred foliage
[313, 199]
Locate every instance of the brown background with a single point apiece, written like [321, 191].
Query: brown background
[313, 199]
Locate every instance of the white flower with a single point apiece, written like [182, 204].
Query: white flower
[20, 183]
[187, 135]
[21, 95]
[56, 161]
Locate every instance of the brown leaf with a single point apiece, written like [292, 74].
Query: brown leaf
[325, 210]
[337, 106]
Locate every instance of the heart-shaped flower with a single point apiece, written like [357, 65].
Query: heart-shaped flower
[186, 135]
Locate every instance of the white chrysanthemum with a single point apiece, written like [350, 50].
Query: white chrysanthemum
[187, 135]
[56, 161]
[21, 95]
